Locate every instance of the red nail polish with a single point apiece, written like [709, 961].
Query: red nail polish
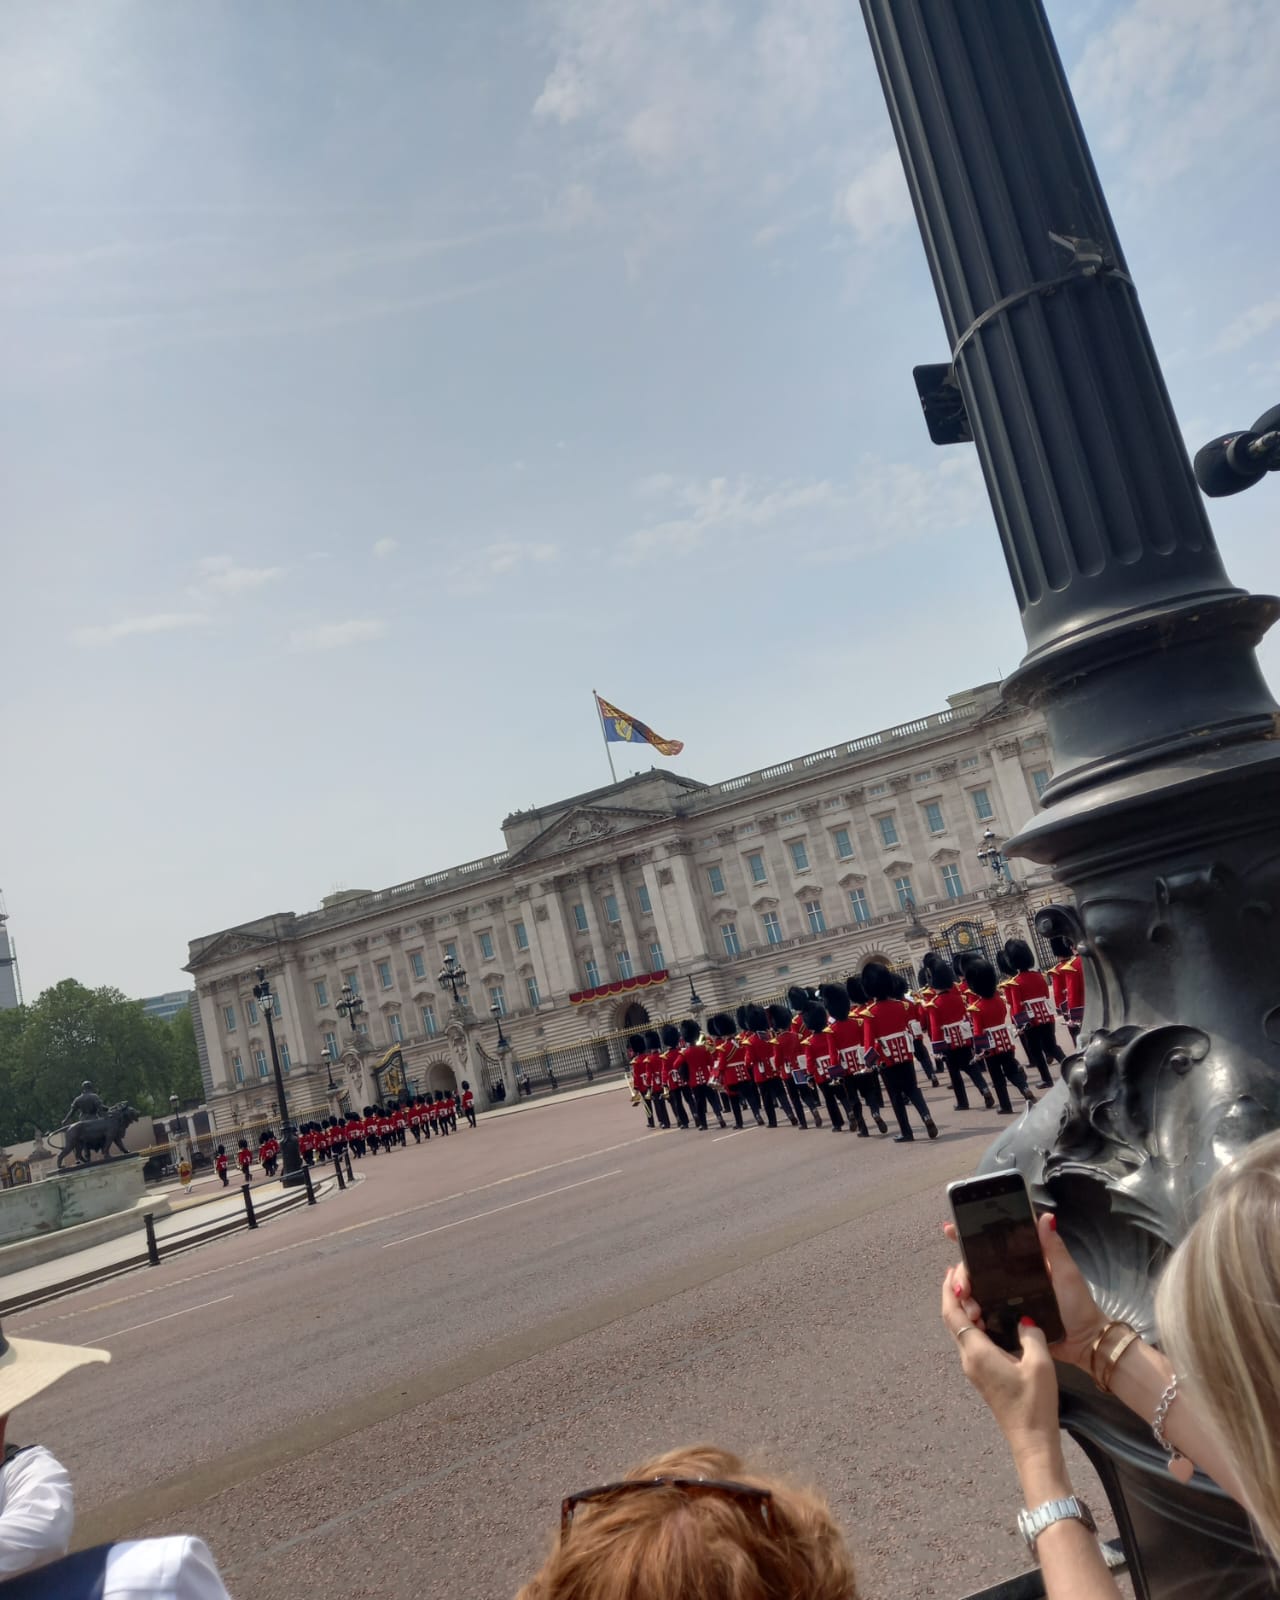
[1053, 1224]
[1027, 1322]
[959, 1292]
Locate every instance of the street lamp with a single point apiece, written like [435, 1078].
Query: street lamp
[991, 856]
[453, 976]
[350, 1006]
[696, 1003]
[291, 1174]
[504, 1044]
[328, 1067]
[915, 928]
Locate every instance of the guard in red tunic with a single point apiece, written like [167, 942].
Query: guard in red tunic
[790, 1065]
[652, 1070]
[698, 1063]
[864, 1080]
[244, 1158]
[819, 1060]
[1030, 1002]
[220, 1164]
[769, 1081]
[886, 1037]
[848, 1062]
[673, 1078]
[269, 1153]
[994, 1036]
[917, 1027]
[731, 1070]
[638, 1072]
[952, 1034]
[468, 1104]
[1068, 985]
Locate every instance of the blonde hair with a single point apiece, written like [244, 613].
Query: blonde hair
[669, 1545]
[1218, 1312]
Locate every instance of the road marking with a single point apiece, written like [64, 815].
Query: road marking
[510, 1206]
[353, 1227]
[721, 1137]
[185, 1312]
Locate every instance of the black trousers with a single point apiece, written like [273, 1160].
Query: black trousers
[469, 1112]
[750, 1092]
[774, 1095]
[959, 1062]
[804, 1097]
[867, 1087]
[658, 1101]
[1040, 1041]
[834, 1100]
[902, 1088]
[681, 1106]
[921, 1052]
[1005, 1068]
[849, 1099]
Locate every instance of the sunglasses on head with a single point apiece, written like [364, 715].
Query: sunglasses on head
[752, 1499]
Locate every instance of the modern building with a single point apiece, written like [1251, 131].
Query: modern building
[637, 902]
[166, 1006]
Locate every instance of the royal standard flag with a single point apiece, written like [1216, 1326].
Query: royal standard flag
[619, 728]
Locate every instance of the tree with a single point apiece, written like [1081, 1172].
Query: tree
[71, 1033]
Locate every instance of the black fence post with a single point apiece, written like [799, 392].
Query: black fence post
[153, 1249]
[248, 1206]
[351, 1177]
[337, 1168]
[311, 1192]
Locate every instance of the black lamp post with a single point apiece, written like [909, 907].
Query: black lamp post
[290, 1159]
[696, 1003]
[349, 1006]
[992, 856]
[328, 1067]
[1163, 817]
[453, 976]
[495, 1011]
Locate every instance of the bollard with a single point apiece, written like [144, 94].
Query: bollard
[337, 1168]
[350, 1175]
[311, 1193]
[153, 1249]
[248, 1206]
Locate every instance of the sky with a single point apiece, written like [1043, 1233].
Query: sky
[382, 376]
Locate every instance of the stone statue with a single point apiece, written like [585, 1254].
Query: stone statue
[88, 1103]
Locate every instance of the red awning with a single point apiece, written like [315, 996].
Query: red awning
[623, 986]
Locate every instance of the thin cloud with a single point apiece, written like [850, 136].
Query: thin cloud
[1249, 325]
[129, 627]
[382, 548]
[338, 635]
[716, 507]
[223, 575]
[876, 205]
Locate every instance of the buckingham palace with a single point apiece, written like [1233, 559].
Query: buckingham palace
[644, 900]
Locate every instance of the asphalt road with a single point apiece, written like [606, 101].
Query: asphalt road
[387, 1394]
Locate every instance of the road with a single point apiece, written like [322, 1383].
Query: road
[390, 1392]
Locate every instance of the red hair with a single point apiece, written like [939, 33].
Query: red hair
[666, 1544]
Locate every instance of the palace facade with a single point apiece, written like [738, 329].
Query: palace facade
[629, 903]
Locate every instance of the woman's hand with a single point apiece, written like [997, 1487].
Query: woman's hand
[1022, 1391]
[1082, 1321]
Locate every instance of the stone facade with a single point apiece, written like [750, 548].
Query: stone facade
[787, 875]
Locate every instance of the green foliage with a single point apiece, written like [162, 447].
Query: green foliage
[71, 1033]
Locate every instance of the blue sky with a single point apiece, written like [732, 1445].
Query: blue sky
[381, 377]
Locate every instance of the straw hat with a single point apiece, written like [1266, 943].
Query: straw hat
[29, 1365]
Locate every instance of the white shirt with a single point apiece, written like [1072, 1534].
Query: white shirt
[177, 1568]
[36, 1511]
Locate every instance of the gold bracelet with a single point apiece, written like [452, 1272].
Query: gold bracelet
[1113, 1360]
[1097, 1345]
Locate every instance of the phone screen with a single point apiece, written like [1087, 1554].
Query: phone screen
[997, 1229]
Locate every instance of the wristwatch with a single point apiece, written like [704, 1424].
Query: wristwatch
[1031, 1524]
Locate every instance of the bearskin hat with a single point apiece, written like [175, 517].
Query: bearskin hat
[798, 997]
[690, 1031]
[942, 977]
[981, 977]
[877, 980]
[1020, 955]
[635, 1044]
[1004, 966]
[1061, 946]
[757, 1019]
[835, 997]
[651, 1039]
[856, 990]
[670, 1035]
[779, 1017]
[741, 1015]
[814, 1016]
[720, 1025]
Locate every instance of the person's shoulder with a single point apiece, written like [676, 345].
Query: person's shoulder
[179, 1567]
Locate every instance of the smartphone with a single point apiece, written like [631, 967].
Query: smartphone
[1002, 1253]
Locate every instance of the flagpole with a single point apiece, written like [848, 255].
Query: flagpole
[604, 735]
